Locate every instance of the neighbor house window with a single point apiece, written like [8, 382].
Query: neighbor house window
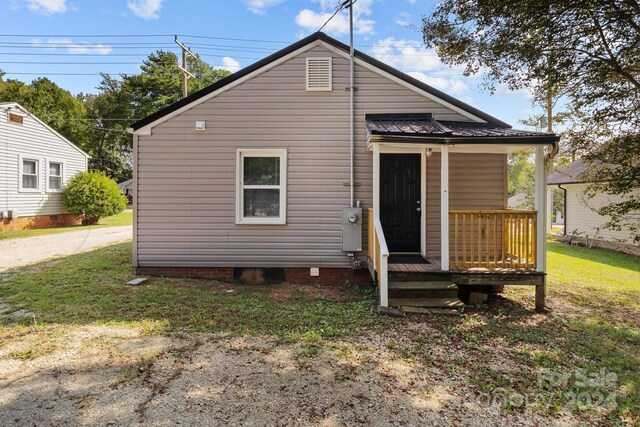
[29, 175]
[261, 186]
[54, 176]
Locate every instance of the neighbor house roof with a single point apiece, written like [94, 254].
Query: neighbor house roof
[570, 174]
[424, 126]
[336, 44]
[124, 184]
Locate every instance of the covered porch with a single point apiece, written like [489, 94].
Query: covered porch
[439, 205]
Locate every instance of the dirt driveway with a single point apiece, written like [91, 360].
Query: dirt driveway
[118, 375]
[29, 250]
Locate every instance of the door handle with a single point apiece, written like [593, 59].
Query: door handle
[418, 209]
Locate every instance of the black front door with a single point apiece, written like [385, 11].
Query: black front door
[400, 204]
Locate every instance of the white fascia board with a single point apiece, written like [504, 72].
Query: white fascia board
[146, 130]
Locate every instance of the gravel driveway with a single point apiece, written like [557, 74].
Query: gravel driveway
[30, 250]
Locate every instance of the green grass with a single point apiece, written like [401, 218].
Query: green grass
[593, 323]
[123, 218]
[91, 288]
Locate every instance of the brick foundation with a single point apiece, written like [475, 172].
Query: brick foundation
[39, 221]
[328, 276]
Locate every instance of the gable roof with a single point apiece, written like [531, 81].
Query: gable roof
[318, 36]
[570, 174]
[9, 105]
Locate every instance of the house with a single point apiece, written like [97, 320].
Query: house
[583, 223]
[517, 200]
[36, 162]
[253, 178]
[126, 189]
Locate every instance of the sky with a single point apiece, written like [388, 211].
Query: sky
[71, 41]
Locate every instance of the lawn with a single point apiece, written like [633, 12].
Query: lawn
[536, 360]
[123, 218]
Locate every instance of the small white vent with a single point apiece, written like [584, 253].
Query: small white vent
[318, 74]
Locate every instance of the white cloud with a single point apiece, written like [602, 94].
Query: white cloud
[404, 19]
[406, 54]
[47, 7]
[449, 85]
[420, 63]
[261, 6]
[312, 20]
[412, 1]
[145, 9]
[228, 63]
[71, 47]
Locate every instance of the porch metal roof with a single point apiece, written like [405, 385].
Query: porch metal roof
[425, 126]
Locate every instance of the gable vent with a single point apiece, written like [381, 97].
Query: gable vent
[318, 74]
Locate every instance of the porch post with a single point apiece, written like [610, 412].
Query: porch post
[376, 180]
[444, 208]
[541, 222]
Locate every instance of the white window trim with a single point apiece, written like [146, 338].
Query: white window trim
[21, 159]
[250, 152]
[48, 163]
[319, 89]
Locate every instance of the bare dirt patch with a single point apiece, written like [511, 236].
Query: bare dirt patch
[334, 293]
[116, 375]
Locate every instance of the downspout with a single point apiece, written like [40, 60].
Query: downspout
[564, 213]
[351, 109]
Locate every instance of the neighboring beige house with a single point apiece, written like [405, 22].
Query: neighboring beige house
[251, 179]
[35, 163]
[582, 221]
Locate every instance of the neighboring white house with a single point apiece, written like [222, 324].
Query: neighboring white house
[582, 221]
[35, 163]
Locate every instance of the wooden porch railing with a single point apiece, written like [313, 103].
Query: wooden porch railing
[492, 239]
[379, 255]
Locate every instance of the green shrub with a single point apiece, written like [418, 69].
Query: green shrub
[93, 195]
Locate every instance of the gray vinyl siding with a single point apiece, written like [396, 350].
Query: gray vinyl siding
[186, 196]
[34, 141]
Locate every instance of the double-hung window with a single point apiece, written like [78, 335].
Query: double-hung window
[261, 186]
[29, 179]
[54, 176]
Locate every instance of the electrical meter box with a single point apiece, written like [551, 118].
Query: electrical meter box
[352, 229]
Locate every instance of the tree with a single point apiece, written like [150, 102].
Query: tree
[160, 82]
[109, 115]
[586, 51]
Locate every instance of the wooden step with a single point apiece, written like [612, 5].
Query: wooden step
[436, 285]
[426, 302]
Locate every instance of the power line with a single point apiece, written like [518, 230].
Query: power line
[338, 9]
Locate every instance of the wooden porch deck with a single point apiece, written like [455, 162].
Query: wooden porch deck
[433, 265]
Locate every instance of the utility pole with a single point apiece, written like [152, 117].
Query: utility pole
[351, 106]
[185, 73]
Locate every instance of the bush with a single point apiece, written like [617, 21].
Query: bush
[93, 195]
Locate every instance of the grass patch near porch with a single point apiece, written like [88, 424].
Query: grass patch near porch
[123, 218]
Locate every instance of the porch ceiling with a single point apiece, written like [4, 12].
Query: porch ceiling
[423, 128]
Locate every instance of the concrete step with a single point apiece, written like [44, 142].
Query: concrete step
[431, 285]
[425, 310]
[426, 302]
